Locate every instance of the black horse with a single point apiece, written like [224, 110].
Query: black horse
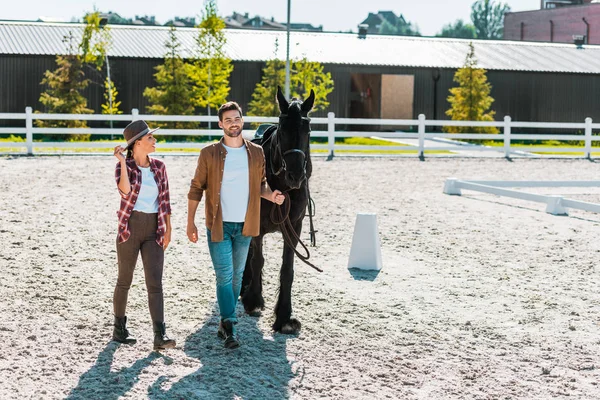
[288, 168]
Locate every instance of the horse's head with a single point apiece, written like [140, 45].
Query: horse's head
[293, 138]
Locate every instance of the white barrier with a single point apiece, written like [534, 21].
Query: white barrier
[365, 252]
[555, 205]
[418, 126]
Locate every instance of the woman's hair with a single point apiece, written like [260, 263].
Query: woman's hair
[130, 149]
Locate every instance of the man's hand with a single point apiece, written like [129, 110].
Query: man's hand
[192, 232]
[277, 197]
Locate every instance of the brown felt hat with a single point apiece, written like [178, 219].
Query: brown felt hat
[136, 130]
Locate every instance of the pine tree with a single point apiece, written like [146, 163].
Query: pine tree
[263, 98]
[304, 76]
[471, 100]
[110, 96]
[63, 93]
[66, 83]
[309, 75]
[211, 71]
[173, 93]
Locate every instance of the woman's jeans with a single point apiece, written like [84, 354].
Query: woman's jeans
[229, 260]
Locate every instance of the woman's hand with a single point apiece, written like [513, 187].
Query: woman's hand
[118, 152]
[167, 239]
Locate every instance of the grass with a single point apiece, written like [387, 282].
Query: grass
[358, 141]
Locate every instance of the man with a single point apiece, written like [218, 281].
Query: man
[232, 173]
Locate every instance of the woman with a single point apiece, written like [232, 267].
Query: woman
[144, 226]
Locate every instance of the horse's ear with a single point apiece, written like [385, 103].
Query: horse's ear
[309, 102]
[283, 103]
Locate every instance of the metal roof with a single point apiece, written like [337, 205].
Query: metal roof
[35, 38]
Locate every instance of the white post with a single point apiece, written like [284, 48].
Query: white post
[588, 138]
[330, 134]
[451, 187]
[507, 121]
[554, 206]
[134, 114]
[365, 252]
[29, 130]
[421, 136]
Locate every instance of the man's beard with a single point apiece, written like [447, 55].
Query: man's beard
[233, 133]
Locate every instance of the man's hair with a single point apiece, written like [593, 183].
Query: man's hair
[230, 105]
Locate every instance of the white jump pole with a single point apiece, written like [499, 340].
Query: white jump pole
[365, 252]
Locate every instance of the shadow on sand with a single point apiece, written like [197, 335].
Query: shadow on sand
[259, 369]
[363, 275]
[100, 383]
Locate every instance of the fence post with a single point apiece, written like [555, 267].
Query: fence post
[29, 130]
[330, 134]
[588, 138]
[134, 114]
[507, 121]
[421, 137]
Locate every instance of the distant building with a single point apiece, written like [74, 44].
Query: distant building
[263, 23]
[243, 21]
[375, 21]
[306, 27]
[189, 22]
[560, 21]
[145, 20]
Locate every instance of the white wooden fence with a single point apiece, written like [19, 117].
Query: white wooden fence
[419, 137]
[556, 205]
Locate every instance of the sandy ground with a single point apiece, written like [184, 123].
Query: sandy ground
[480, 297]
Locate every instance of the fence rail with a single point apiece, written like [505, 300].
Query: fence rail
[419, 137]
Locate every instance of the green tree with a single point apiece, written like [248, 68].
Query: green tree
[304, 76]
[471, 100]
[488, 18]
[458, 30]
[211, 70]
[95, 41]
[263, 98]
[65, 84]
[307, 75]
[110, 96]
[63, 93]
[173, 93]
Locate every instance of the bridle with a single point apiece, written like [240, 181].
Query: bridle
[280, 213]
[278, 154]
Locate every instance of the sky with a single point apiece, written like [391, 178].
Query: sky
[333, 15]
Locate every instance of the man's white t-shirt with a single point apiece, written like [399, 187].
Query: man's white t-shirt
[235, 188]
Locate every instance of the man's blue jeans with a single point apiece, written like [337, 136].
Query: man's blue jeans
[229, 260]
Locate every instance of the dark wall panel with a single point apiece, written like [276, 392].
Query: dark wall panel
[525, 96]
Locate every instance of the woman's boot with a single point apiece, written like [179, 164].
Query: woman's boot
[121, 333]
[161, 341]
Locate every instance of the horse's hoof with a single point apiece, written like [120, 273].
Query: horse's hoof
[257, 312]
[291, 327]
[253, 303]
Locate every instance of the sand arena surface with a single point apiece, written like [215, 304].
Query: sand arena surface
[479, 297]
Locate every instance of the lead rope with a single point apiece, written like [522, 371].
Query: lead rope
[311, 214]
[285, 226]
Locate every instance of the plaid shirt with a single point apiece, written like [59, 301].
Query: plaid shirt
[128, 200]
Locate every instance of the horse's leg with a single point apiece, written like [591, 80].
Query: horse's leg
[284, 323]
[252, 298]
